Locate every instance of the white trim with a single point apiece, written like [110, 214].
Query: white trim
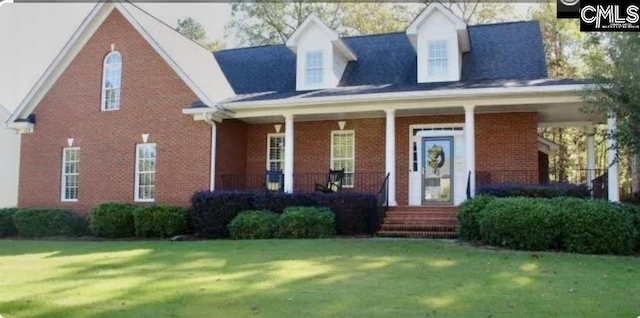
[470, 147]
[547, 146]
[564, 124]
[292, 41]
[390, 155]
[103, 94]
[289, 143]
[353, 153]
[612, 175]
[63, 181]
[413, 138]
[415, 95]
[275, 135]
[136, 193]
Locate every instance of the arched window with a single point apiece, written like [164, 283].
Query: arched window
[111, 78]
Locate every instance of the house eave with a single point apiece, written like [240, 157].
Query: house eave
[403, 96]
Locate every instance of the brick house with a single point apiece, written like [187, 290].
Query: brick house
[131, 111]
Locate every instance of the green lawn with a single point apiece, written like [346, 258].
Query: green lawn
[308, 278]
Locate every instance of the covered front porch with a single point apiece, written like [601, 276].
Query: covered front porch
[422, 150]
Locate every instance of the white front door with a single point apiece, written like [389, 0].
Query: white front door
[421, 191]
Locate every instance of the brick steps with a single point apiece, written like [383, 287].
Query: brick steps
[415, 234]
[420, 222]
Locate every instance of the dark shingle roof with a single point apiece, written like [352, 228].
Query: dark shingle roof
[387, 62]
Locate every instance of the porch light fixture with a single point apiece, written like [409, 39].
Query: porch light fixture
[277, 127]
[341, 124]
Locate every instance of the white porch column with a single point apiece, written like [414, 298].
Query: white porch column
[390, 154]
[470, 146]
[591, 155]
[288, 153]
[614, 192]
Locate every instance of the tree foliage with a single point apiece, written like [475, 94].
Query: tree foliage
[193, 30]
[617, 86]
[262, 23]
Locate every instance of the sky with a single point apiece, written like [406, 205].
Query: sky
[32, 34]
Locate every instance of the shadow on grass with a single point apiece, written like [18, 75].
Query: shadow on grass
[305, 278]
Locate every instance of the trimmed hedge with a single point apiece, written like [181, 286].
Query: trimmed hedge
[569, 224]
[48, 222]
[160, 221]
[596, 227]
[112, 220]
[254, 225]
[469, 213]
[211, 212]
[7, 227]
[306, 222]
[552, 190]
[520, 223]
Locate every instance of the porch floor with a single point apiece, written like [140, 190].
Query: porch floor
[420, 222]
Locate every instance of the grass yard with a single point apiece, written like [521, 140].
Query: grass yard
[308, 278]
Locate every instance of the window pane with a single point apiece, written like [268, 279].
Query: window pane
[314, 68]
[146, 166]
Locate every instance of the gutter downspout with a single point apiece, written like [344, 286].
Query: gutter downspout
[212, 180]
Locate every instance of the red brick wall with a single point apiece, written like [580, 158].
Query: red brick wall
[231, 150]
[152, 98]
[504, 142]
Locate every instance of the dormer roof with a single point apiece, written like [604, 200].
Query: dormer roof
[458, 24]
[333, 36]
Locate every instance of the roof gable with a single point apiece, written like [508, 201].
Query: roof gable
[192, 63]
[313, 21]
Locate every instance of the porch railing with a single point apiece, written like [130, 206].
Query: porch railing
[303, 182]
[597, 186]
[383, 206]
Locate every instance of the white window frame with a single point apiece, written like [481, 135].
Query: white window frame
[105, 68]
[353, 158]
[316, 68]
[269, 136]
[137, 197]
[65, 174]
[434, 59]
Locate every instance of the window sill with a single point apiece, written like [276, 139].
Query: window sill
[69, 201]
[145, 200]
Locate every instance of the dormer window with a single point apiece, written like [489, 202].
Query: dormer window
[321, 55]
[438, 58]
[314, 70]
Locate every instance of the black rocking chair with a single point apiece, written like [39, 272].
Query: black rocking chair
[334, 182]
[274, 181]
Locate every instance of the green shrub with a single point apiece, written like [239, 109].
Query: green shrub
[7, 227]
[48, 222]
[306, 222]
[520, 223]
[161, 221]
[596, 227]
[112, 220]
[635, 213]
[254, 225]
[469, 215]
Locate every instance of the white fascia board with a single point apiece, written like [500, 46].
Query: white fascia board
[73, 46]
[400, 96]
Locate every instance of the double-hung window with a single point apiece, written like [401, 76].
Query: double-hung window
[70, 174]
[343, 154]
[314, 70]
[111, 80]
[275, 152]
[438, 59]
[145, 173]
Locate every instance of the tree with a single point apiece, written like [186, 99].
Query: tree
[617, 87]
[262, 23]
[193, 30]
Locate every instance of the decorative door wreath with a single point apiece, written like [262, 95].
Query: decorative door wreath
[436, 158]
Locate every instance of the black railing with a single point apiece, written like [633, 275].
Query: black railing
[597, 186]
[383, 206]
[368, 182]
